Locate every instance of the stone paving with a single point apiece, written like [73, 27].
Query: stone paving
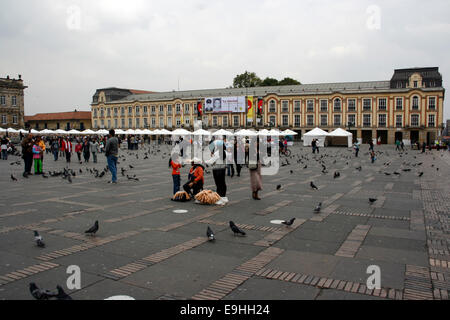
[145, 250]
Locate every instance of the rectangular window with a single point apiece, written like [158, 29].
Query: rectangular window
[115, 112]
[431, 122]
[187, 121]
[145, 110]
[285, 120]
[153, 122]
[95, 113]
[337, 105]
[415, 103]
[351, 105]
[310, 120]
[161, 122]
[3, 100]
[273, 120]
[130, 123]
[382, 120]
[178, 108]
[337, 119]
[122, 111]
[431, 103]
[382, 104]
[116, 123]
[14, 101]
[351, 120]
[324, 105]
[297, 120]
[399, 104]
[272, 106]
[153, 110]
[214, 121]
[122, 123]
[367, 104]
[367, 120]
[108, 112]
[169, 122]
[297, 106]
[130, 111]
[138, 111]
[285, 106]
[15, 119]
[415, 84]
[310, 106]
[398, 121]
[225, 121]
[324, 120]
[138, 123]
[414, 120]
[169, 109]
[236, 121]
[205, 120]
[95, 124]
[102, 113]
[187, 108]
[161, 109]
[146, 122]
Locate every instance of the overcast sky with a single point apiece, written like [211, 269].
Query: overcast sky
[65, 50]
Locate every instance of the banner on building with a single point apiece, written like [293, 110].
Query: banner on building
[225, 104]
[199, 109]
[260, 106]
[250, 109]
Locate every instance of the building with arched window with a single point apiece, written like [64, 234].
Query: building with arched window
[408, 107]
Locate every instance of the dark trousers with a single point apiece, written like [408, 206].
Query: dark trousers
[86, 156]
[238, 169]
[230, 170]
[219, 179]
[28, 159]
[356, 152]
[55, 155]
[79, 156]
[196, 188]
[176, 183]
[68, 155]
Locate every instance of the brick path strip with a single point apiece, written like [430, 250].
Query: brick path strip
[231, 281]
[26, 272]
[351, 245]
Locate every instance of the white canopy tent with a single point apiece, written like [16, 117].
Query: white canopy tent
[11, 130]
[2, 130]
[289, 133]
[103, 132]
[201, 132]
[165, 132]
[316, 133]
[340, 137]
[222, 132]
[60, 131]
[181, 132]
[88, 132]
[74, 132]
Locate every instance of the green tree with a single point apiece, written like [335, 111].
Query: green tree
[246, 80]
[288, 82]
[269, 82]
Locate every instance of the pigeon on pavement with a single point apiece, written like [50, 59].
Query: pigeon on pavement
[93, 229]
[235, 229]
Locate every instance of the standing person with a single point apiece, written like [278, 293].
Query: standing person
[423, 147]
[356, 146]
[238, 159]
[230, 159]
[397, 145]
[27, 154]
[4, 146]
[37, 157]
[176, 177]
[371, 145]
[78, 149]
[94, 149]
[255, 175]
[402, 145]
[67, 146]
[313, 145]
[218, 162]
[317, 145]
[43, 148]
[86, 150]
[55, 149]
[372, 156]
[112, 153]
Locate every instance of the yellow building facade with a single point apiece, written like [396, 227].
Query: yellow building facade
[408, 107]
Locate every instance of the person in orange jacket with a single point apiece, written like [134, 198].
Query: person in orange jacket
[196, 178]
[175, 165]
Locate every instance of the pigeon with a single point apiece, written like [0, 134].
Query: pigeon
[131, 167]
[387, 173]
[210, 234]
[337, 175]
[235, 229]
[396, 173]
[372, 200]
[292, 172]
[359, 168]
[305, 167]
[13, 178]
[318, 208]
[38, 240]
[39, 294]
[289, 223]
[93, 229]
[102, 174]
[406, 170]
[44, 176]
[61, 295]
[279, 187]
[313, 186]
[420, 174]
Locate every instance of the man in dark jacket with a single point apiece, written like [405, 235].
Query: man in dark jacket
[27, 154]
[112, 153]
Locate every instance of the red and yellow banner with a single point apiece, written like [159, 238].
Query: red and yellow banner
[250, 109]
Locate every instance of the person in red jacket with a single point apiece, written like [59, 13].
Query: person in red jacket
[175, 165]
[67, 147]
[78, 149]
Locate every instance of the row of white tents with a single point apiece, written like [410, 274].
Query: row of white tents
[336, 137]
[163, 132]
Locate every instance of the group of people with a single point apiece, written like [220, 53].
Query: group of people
[315, 145]
[6, 147]
[33, 149]
[224, 156]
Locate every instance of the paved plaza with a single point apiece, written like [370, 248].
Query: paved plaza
[147, 251]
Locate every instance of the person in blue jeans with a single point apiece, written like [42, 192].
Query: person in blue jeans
[112, 153]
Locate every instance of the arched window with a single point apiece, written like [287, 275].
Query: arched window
[415, 103]
[337, 104]
[272, 106]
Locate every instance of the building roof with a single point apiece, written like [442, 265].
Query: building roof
[76, 115]
[429, 73]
